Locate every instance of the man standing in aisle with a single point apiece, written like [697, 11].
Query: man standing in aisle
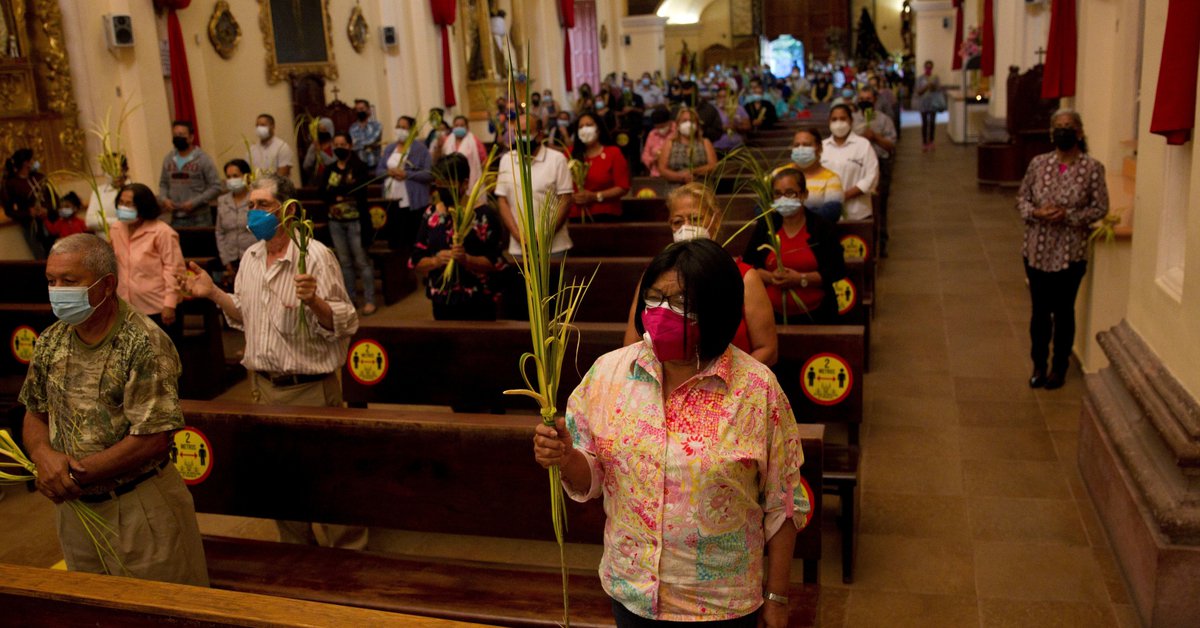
[289, 363]
[189, 182]
[270, 155]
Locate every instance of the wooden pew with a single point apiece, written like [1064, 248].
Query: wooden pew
[43, 598]
[654, 209]
[447, 473]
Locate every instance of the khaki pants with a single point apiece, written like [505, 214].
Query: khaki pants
[327, 392]
[156, 535]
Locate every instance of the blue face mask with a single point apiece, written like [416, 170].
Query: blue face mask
[71, 305]
[804, 156]
[787, 207]
[262, 224]
[126, 214]
[460, 132]
[600, 105]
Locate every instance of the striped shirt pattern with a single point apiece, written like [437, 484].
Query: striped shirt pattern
[266, 297]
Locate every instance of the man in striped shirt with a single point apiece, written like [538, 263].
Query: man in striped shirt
[289, 362]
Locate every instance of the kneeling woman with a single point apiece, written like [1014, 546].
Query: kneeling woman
[696, 452]
[693, 214]
[801, 289]
[467, 295]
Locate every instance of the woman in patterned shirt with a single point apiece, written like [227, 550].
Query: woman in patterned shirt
[1062, 195]
[695, 449]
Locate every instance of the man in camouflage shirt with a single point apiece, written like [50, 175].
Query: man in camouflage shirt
[102, 404]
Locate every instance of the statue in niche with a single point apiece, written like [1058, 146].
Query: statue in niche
[476, 70]
[499, 27]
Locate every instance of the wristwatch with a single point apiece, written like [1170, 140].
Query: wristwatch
[778, 599]
[803, 280]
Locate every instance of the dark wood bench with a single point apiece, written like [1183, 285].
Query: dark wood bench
[416, 471]
[34, 597]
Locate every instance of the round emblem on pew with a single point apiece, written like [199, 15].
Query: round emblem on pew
[826, 379]
[847, 295]
[622, 139]
[192, 455]
[647, 193]
[367, 362]
[22, 343]
[378, 216]
[854, 247]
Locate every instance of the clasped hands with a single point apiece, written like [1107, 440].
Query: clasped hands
[1050, 214]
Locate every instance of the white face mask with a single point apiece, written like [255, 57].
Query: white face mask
[690, 232]
[588, 134]
[236, 184]
[686, 128]
[839, 128]
[401, 134]
[264, 132]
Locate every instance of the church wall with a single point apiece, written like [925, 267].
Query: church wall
[1168, 176]
[1021, 28]
[713, 28]
[934, 40]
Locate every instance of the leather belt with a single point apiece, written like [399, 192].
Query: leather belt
[124, 488]
[283, 381]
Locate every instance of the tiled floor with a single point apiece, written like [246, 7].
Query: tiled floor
[972, 508]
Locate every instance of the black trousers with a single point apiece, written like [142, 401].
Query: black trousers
[928, 126]
[626, 619]
[402, 226]
[1053, 295]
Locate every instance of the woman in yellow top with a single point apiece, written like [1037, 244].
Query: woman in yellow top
[824, 185]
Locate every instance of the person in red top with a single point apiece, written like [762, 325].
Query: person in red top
[70, 220]
[801, 289]
[607, 176]
[693, 213]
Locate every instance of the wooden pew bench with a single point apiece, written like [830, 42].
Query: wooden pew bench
[43, 598]
[480, 359]
[423, 472]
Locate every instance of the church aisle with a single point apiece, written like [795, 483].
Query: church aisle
[973, 512]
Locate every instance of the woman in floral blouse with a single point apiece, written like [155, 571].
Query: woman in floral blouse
[695, 449]
[1062, 195]
[467, 296]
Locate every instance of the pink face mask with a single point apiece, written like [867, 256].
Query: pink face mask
[672, 335]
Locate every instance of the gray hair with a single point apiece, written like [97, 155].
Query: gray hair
[97, 255]
[1076, 120]
[281, 188]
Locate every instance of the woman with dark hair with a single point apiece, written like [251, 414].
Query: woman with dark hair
[823, 185]
[853, 159]
[1063, 193]
[467, 295]
[233, 207]
[149, 260]
[695, 449]
[607, 174]
[801, 290]
[25, 198]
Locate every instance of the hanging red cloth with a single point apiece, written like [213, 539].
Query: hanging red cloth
[443, 16]
[958, 36]
[1175, 98]
[1058, 80]
[181, 79]
[566, 16]
[987, 58]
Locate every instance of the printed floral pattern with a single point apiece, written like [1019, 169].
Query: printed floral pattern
[487, 239]
[1080, 189]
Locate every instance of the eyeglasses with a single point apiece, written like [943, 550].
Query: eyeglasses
[655, 298]
[787, 194]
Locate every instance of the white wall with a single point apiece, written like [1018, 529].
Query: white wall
[934, 39]
[1021, 29]
[647, 46]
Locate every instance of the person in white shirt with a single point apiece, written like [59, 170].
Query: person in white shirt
[104, 199]
[652, 95]
[270, 155]
[552, 187]
[853, 159]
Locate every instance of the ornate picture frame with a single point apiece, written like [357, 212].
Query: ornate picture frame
[357, 29]
[223, 30]
[294, 46]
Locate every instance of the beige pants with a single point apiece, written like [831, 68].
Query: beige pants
[327, 392]
[155, 535]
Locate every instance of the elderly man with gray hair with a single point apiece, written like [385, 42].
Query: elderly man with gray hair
[101, 404]
[290, 363]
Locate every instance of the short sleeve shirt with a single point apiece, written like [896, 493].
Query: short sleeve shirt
[96, 395]
[549, 178]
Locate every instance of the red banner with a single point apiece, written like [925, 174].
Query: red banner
[443, 16]
[566, 16]
[181, 79]
[1058, 80]
[987, 58]
[1175, 98]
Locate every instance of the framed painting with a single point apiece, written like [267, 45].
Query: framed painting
[297, 37]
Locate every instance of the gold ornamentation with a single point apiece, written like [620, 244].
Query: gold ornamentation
[17, 96]
[356, 29]
[283, 69]
[223, 30]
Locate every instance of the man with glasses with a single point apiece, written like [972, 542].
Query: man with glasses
[289, 363]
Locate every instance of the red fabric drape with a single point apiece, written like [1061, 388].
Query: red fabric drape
[1175, 98]
[443, 16]
[958, 35]
[987, 57]
[181, 79]
[566, 16]
[1058, 81]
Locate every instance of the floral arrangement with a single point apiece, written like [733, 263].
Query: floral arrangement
[971, 46]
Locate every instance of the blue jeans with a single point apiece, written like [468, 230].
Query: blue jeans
[347, 239]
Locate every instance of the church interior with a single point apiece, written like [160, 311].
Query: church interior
[946, 486]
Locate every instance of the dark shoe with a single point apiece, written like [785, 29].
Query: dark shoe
[1055, 380]
[1038, 379]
